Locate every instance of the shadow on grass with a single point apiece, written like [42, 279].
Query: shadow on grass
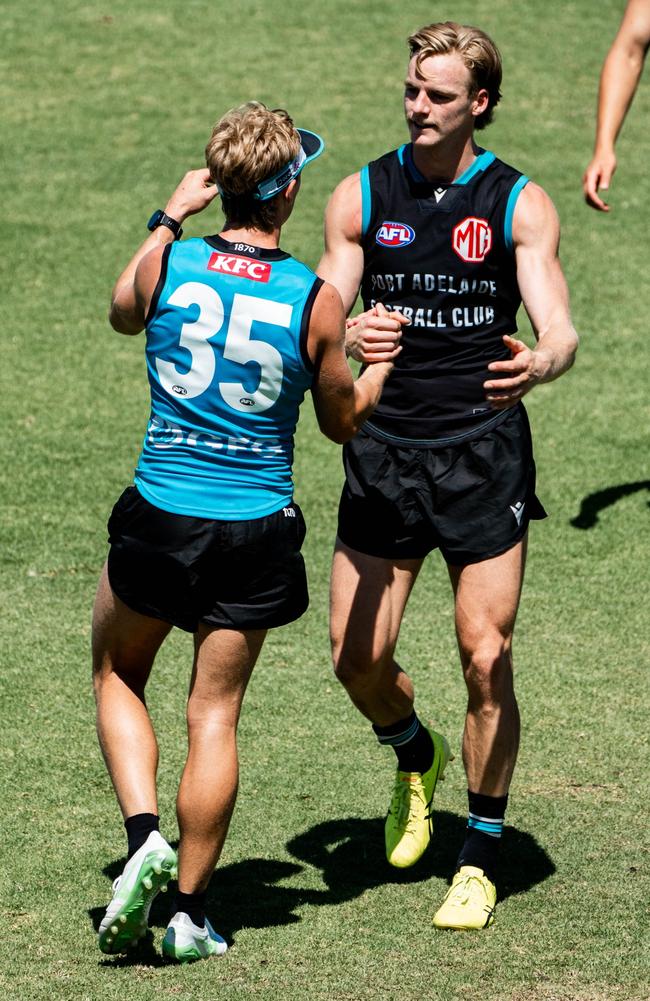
[593, 504]
[350, 856]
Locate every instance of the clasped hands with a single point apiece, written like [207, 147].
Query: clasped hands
[375, 335]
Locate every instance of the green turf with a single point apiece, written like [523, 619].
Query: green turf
[104, 107]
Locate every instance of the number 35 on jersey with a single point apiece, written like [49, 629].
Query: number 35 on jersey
[199, 338]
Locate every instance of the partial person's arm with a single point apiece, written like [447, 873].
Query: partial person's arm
[618, 82]
[134, 288]
[341, 403]
[372, 336]
[536, 238]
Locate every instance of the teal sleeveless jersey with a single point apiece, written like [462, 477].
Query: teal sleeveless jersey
[228, 369]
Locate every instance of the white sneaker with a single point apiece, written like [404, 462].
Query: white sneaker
[184, 941]
[145, 874]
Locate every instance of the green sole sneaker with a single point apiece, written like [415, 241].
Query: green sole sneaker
[409, 823]
[185, 942]
[145, 875]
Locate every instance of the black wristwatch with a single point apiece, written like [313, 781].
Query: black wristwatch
[160, 218]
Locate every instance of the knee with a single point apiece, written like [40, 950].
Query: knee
[209, 722]
[108, 670]
[355, 664]
[102, 670]
[488, 671]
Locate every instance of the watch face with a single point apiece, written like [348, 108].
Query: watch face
[155, 219]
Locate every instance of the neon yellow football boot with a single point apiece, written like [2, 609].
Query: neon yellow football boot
[409, 823]
[469, 902]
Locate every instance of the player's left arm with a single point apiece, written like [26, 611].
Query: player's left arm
[544, 293]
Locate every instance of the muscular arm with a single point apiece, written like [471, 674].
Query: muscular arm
[618, 82]
[536, 237]
[341, 404]
[133, 289]
[373, 336]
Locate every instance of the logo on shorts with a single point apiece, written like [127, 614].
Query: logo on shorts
[472, 239]
[395, 234]
[518, 510]
[289, 512]
[240, 267]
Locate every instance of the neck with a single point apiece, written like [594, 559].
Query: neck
[438, 164]
[235, 232]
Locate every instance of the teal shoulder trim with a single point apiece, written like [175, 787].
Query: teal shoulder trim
[482, 162]
[510, 208]
[366, 201]
[400, 154]
[410, 164]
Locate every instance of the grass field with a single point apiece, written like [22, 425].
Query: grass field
[104, 107]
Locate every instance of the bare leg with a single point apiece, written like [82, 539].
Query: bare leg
[223, 662]
[487, 598]
[367, 601]
[124, 646]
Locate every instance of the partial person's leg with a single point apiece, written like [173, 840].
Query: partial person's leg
[487, 598]
[368, 598]
[223, 662]
[124, 647]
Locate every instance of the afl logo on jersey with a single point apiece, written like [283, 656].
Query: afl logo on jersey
[395, 234]
[472, 239]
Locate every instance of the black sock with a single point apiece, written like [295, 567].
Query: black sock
[483, 837]
[192, 904]
[411, 742]
[138, 829]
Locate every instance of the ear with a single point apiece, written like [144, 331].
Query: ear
[480, 102]
[292, 189]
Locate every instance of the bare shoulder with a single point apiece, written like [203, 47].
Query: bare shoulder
[148, 271]
[327, 315]
[348, 190]
[344, 208]
[535, 216]
[635, 25]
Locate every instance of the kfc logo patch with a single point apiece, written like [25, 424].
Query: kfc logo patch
[472, 239]
[240, 267]
[395, 234]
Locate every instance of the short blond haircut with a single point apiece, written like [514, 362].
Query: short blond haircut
[248, 145]
[478, 52]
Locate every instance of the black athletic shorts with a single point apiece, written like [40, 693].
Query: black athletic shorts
[472, 500]
[228, 574]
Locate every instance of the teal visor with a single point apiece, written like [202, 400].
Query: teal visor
[311, 146]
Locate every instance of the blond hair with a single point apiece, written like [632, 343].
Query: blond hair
[248, 145]
[477, 50]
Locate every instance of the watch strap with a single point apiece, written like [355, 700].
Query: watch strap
[160, 218]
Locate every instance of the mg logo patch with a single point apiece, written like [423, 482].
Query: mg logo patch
[395, 234]
[240, 267]
[472, 239]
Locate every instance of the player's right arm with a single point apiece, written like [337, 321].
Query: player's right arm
[341, 403]
[372, 336]
[618, 82]
[133, 289]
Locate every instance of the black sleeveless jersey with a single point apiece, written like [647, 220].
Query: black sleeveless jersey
[443, 256]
